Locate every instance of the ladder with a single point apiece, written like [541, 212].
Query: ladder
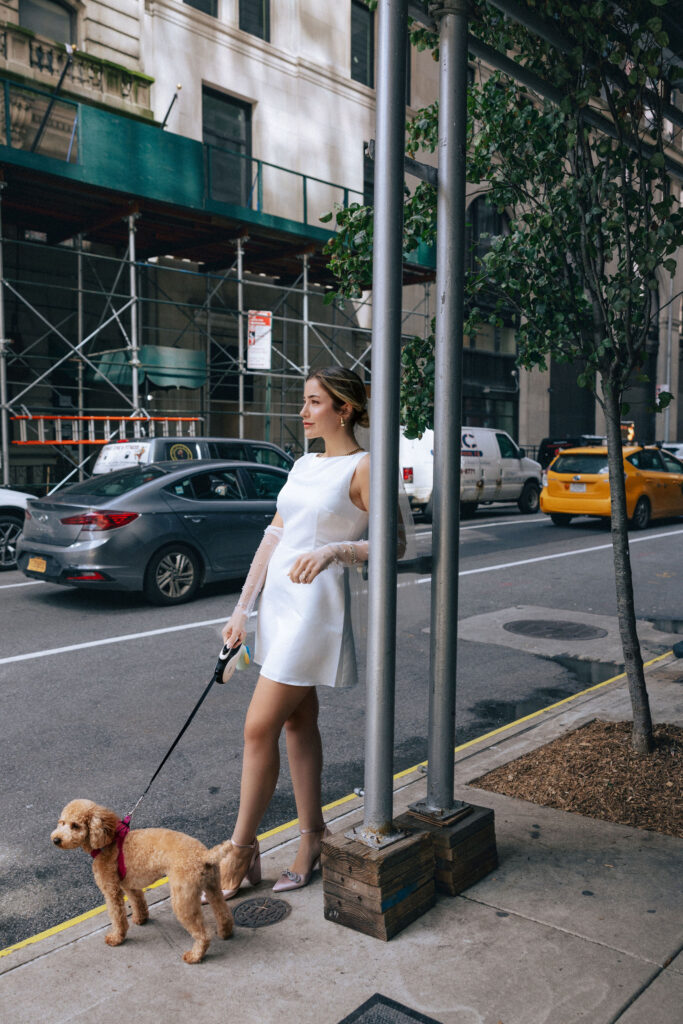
[79, 430]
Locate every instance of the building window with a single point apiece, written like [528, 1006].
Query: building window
[369, 173]
[362, 44]
[205, 6]
[48, 18]
[227, 135]
[254, 18]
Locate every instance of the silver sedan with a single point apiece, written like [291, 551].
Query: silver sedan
[158, 528]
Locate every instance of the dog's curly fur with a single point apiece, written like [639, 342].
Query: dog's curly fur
[150, 854]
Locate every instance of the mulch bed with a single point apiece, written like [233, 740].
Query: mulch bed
[594, 771]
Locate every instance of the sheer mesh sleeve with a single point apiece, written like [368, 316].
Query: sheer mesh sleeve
[349, 552]
[256, 577]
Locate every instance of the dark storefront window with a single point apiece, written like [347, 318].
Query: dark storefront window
[227, 132]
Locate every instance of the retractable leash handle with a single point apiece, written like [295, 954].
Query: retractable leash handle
[231, 659]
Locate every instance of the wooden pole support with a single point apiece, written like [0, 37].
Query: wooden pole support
[378, 892]
[464, 852]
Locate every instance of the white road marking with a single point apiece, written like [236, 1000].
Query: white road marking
[111, 640]
[212, 622]
[29, 583]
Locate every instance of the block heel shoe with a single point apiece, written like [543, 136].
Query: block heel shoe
[252, 874]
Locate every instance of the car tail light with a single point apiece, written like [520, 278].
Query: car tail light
[100, 520]
[544, 478]
[408, 474]
[92, 577]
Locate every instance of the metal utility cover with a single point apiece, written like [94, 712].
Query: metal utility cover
[260, 911]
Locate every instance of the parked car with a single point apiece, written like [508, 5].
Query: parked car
[492, 468]
[12, 509]
[673, 448]
[162, 529]
[552, 446]
[577, 484]
[121, 454]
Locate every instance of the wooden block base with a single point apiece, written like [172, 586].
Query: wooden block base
[464, 852]
[378, 892]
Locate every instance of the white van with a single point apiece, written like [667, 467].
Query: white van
[492, 468]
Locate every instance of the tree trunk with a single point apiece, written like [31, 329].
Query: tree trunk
[641, 738]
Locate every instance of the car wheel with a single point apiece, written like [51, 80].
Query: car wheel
[530, 498]
[561, 518]
[10, 528]
[467, 509]
[172, 576]
[641, 514]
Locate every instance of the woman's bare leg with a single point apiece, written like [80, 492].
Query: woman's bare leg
[271, 705]
[305, 754]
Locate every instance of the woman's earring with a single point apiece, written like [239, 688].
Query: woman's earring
[342, 422]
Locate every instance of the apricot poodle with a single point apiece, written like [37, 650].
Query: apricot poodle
[123, 864]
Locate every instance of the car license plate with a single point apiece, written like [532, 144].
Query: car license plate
[36, 564]
[577, 488]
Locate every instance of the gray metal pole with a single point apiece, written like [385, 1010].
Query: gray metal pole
[450, 276]
[134, 347]
[384, 427]
[306, 355]
[240, 334]
[4, 395]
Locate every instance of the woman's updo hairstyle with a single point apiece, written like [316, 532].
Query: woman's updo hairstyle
[344, 386]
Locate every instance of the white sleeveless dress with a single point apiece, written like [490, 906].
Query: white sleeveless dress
[304, 635]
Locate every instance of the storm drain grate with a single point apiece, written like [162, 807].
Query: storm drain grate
[380, 1010]
[260, 911]
[554, 629]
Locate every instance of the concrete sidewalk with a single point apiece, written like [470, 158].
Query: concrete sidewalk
[581, 922]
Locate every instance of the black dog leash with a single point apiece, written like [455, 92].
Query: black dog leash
[226, 655]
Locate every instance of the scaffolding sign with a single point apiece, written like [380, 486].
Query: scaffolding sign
[259, 339]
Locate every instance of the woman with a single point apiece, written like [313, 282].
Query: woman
[304, 636]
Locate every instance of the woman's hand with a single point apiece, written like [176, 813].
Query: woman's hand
[234, 631]
[308, 566]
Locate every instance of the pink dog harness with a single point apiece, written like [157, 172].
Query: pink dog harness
[122, 830]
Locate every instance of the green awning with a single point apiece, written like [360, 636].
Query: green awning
[169, 367]
[163, 366]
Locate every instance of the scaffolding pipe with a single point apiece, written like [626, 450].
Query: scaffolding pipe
[384, 428]
[450, 278]
[4, 397]
[240, 334]
[306, 354]
[79, 332]
[134, 347]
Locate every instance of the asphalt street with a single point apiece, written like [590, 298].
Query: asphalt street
[95, 686]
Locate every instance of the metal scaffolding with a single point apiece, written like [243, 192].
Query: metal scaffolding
[79, 324]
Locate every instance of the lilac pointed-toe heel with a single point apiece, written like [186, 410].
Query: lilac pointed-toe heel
[289, 880]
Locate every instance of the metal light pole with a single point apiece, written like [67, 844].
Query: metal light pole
[384, 428]
[451, 16]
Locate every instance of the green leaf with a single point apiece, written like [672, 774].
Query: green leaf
[326, 218]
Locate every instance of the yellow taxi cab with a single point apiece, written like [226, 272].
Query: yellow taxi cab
[576, 483]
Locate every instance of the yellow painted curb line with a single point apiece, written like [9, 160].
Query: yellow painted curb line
[336, 803]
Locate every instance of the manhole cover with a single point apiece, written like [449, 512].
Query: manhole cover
[554, 629]
[260, 912]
